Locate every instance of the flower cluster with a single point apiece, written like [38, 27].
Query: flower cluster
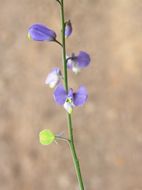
[70, 99]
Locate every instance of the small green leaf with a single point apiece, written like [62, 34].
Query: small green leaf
[46, 137]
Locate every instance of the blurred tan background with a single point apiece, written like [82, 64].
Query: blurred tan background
[108, 129]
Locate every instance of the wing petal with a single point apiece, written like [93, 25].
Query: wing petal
[60, 95]
[80, 97]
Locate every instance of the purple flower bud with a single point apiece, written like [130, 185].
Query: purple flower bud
[53, 78]
[68, 29]
[70, 99]
[76, 63]
[40, 32]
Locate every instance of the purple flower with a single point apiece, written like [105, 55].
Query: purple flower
[70, 99]
[76, 63]
[68, 29]
[40, 32]
[53, 77]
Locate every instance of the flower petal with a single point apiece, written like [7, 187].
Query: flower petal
[83, 59]
[60, 95]
[80, 97]
[76, 68]
[53, 77]
[40, 32]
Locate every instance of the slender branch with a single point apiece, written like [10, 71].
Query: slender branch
[58, 42]
[58, 2]
[62, 138]
[69, 119]
[68, 59]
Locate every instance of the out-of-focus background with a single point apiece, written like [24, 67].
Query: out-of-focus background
[108, 129]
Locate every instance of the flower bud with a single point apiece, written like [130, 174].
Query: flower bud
[40, 32]
[68, 29]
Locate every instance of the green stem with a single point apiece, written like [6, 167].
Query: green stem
[74, 154]
[64, 46]
[69, 119]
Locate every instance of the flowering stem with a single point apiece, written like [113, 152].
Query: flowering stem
[64, 46]
[69, 119]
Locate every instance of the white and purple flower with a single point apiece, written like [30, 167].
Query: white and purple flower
[54, 77]
[40, 32]
[76, 63]
[71, 99]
